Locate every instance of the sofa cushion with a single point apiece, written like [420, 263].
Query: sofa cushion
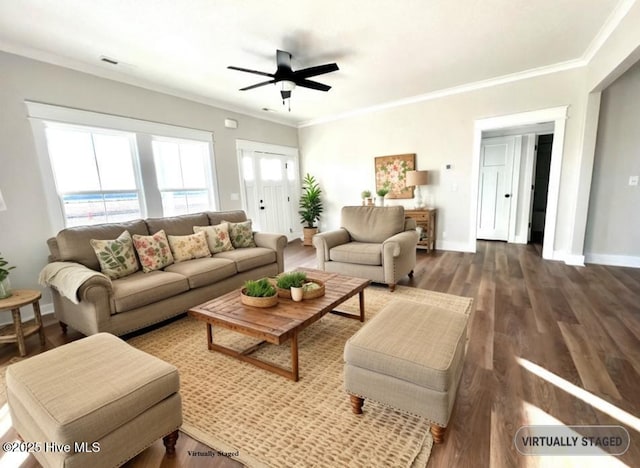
[217, 217]
[140, 289]
[217, 237]
[204, 271]
[241, 234]
[372, 223]
[249, 258]
[177, 225]
[357, 252]
[188, 247]
[73, 243]
[154, 251]
[117, 257]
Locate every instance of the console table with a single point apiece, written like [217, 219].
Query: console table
[426, 219]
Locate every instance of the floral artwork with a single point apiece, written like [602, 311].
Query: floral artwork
[392, 172]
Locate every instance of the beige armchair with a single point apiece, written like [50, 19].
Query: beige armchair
[377, 243]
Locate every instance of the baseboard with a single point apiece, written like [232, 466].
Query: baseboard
[453, 246]
[573, 260]
[613, 260]
[26, 313]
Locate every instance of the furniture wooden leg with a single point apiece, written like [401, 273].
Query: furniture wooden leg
[392, 287]
[438, 433]
[209, 336]
[63, 326]
[411, 274]
[356, 404]
[170, 443]
[294, 357]
[38, 317]
[17, 323]
[361, 301]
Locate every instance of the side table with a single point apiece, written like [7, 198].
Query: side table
[21, 298]
[426, 220]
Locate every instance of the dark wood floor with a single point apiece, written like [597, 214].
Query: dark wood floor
[549, 344]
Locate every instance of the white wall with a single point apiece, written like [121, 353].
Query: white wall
[440, 132]
[613, 227]
[25, 227]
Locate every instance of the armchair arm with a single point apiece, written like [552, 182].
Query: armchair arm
[325, 241]
[399, 243]
[275, 242]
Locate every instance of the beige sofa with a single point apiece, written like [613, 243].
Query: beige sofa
[141, 299]
[377, 243]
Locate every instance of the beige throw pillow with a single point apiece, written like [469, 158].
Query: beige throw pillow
[241, 234]
[117, 257]
[217, 237]
[188, 247]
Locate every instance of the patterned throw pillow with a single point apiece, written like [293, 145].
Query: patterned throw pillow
[117, 257]
[217, 237]
[188, 247]
[241, 234]
[154, 251]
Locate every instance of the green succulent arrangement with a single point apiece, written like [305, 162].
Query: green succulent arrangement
[366, 194]
[384, 190]
[295, 279]
[4, 272]
[259, 288]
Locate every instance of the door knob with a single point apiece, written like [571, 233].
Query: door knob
[507, 195]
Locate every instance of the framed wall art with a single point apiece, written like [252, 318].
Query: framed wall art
[392, 172]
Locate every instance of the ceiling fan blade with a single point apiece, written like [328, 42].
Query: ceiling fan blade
[257, 85]
[283, 59]
[315, 71]
[255, 72]
[312, 85]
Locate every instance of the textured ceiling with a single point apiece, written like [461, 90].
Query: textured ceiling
[386, 50]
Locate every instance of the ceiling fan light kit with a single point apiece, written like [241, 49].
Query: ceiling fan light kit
[288, 78]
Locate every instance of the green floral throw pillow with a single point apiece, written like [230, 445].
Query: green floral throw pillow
[241, 234]
[154, 251]
[188, 247]
[117, 257]
[217, 237]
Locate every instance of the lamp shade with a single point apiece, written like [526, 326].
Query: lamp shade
[417, 178]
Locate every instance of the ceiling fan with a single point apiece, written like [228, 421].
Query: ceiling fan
[289, 78]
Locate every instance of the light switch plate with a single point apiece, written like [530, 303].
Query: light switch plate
[633, 180]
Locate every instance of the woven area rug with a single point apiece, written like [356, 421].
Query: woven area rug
[268, 420]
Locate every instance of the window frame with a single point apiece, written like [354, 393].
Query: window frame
[40, 114]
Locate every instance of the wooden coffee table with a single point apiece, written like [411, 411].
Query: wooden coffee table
[280, 323]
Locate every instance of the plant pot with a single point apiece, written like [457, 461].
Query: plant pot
[5, 288]
[297, 294]
[308, 235]
[379, 201]
[264, 302]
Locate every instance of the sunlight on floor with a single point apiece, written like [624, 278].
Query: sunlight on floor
[5, 420]
[593, 400]
[9, 459]
[534, 417]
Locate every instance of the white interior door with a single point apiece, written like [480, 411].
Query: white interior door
[269, 180]
[494, 191]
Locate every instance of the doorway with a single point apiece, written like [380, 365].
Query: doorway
[544, 144]
[497, 126]
[269, 186]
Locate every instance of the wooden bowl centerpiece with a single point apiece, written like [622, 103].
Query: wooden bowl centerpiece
[312, 288]
[260, 293]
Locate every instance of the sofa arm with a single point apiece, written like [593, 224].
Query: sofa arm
[275, 242]
[395, 245]
[325, 241]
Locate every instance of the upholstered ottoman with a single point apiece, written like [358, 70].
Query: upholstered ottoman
[94, 402]
[410, 357]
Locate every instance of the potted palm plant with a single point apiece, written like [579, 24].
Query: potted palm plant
[310, 207]
[5, 286]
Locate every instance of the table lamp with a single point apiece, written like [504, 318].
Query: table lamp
[417, 179]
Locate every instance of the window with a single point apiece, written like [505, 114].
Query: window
[108, 168]
[182, 168]
[95, 174]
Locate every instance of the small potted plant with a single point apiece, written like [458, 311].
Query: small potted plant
[290, 285]
[382, 192]
[260, 293]
[366, 197]
[5, 286]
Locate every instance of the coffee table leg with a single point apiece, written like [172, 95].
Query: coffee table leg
[361, 297]
[294, 357]
[209, 336]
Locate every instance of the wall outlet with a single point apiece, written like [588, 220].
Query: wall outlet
[633, 180]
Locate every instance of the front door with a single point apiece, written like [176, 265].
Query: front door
[494, 197]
